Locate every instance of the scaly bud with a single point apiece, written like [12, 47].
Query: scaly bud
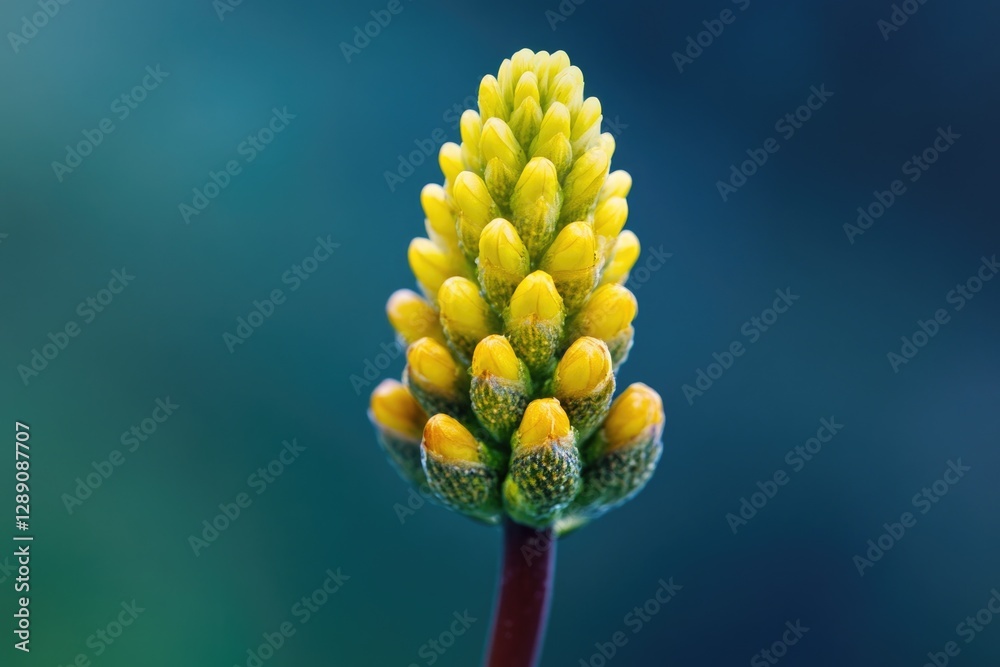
[584, 383]
[465, 315]
[572, 262]
[476, 209]
[471, 128]
[623, 258]
[534, 322]
[583, 184]
[503, 262]
[413, 317]
[431, 265]
[545, 465]
[624, 453]
[399, 422]
[535, 205]
[460, 469]
[608, 315]
[501, 387]
[434, 379]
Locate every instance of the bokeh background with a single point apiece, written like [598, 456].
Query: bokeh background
[337, 505]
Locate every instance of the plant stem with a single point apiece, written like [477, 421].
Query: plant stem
[525, 589]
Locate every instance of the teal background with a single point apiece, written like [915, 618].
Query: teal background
[324, 175]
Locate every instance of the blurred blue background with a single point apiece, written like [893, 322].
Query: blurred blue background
[227, 67]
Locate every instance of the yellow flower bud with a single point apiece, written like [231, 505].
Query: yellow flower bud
[506, 80]
[610, 216]
[608, 315]
[585, 367]
[491, 99]
[393, 407]
[544, 422]
[536, 297]
[471, 128]
[465, 315]
[587, 126]
[572, 261]
[413, 317]
[449, 440]
[476, 209]
[430, 366]
[618, 184]
[437, 210]
[523, 62]
[635, 416]
[525, 120]
[494, 356]
[430, 264]
[526, 88]
[450, 161]
[583, 183]
[555, 122]
[607, 142]
[535, 205]
[623, 258]
[558, 62]
[498, 141]
[567, 87]
[503, 262]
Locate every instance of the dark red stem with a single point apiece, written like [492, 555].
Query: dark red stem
[522, 608]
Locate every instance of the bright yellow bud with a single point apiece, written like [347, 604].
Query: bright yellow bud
[583, 184]
[465, 315]
[522, 63]
[575, 249]
[535, 204]
[587, 125]
[618, 184]
[567, 87]
[610, 216]
[584, 368]
[637, 414]
[498, 141]
[430, 264]
[623, 258]
[431, 366]
[556, 121]
[544, 421]
[471, 128]
[448, 439]
[527, 87]
[609, 311]
[450, 161]
[412, 316]
[438, 211]
[558, 62]
[394, 407]
[607, 142]
[495, 356]
[536, 296]
[491, 100]
[501, 247]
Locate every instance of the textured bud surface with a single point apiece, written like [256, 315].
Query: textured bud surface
[513, 349]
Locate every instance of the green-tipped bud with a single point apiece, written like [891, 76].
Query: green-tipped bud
[623, 257]
[583, 184]
[535, 205]
[471, 128]
[501, 387]
[413, 317]
[534, 322]
[503, 262]
[608, 315]
[460, 469]
[399, 421]
[432, 265]
[544, 473]
[475, 210]
[624, 453]
[584, 384]
[434, 379]
[465, 315]
[572, 261]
